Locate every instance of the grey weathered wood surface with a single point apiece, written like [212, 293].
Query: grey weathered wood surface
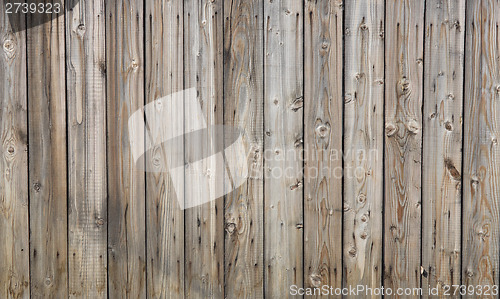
[323, 117]
[403, 142]
[164, 220]
[363, 142]
[244, 108]
[87, 196]
[48, 159]
[283, 116]
[481, 195]
[442, 152]
[14, 188]
[126, 181]
[204, 224]
[383, 92]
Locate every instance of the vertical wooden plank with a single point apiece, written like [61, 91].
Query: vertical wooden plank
[48, 162]
[283, 116]
[126, 181]
[442, 163]
[204, 224]
[86, 96]
[403, 142]
[165, 219]
[14, 224]
[481, 194]
[244, 109]
[323, 115]
[363, 143]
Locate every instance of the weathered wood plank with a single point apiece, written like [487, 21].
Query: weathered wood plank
[14, 224]
[442, 162]
[126, 181]
[363, 143]
[481, 175]
[204, 224]
[86, 97]
[403, 142]
[283, 141]
[323, 143]
[165, 219]
[48, 159]
[244, 109]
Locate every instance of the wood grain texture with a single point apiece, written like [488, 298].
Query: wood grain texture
[403, 142]
[442, 144]
[165, 219]
[481, 195]
[244, 109]
[86, 96]
[363, 143]
[126, 180]
[14, 223]
[323, 114]
[48, 159]
[204, 224]
[283, 141]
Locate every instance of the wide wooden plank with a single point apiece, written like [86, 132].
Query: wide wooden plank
[363, 143]
[14, 224]
[403, 143]
[283, 141]
[481, 175]
[165, 219]
[244, 109]
[442, 144]
[204, 224]
[86, 102]
[323, 46]
[48, 159]
[126, 181]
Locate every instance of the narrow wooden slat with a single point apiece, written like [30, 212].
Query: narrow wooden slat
[442, 162]
[165, 219]
[243, 108]
[283, 141]
[86, 97]
[14, 224]
[48, 160]
[481, 195]
[323, 143]
[204, 224]
[126, 181]
[363, 143]
[403, 143]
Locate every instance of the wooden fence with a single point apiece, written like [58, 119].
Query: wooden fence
[413, 84]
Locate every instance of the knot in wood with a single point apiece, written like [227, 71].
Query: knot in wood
[448, 126]
[390, 129]
[99, 221]
[403, 87]
[315, 280]
[364, 235]
[80, 30]
[413, 126]
[352, 252]
[297, 103]
[322, 130]
[37, 187]
[230, 227]
[9, 46]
